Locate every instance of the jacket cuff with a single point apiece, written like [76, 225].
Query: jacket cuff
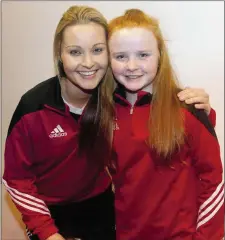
[47, 232]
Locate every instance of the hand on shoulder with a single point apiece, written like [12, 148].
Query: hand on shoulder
[197, 96]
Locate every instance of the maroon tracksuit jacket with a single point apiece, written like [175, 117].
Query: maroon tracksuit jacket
[41, 163]
[184, 201]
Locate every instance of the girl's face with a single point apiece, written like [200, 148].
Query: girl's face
[84, 54]
[134, 57]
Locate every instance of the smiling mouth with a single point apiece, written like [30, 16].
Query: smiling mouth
[133, 76]
[87, 73]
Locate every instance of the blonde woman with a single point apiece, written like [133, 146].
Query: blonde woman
[54, 167]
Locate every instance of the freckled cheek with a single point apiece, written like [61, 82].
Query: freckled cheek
[154, 69]
[117, 68]
[151, 67]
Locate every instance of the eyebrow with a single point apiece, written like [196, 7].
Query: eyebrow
[115, 53]
[81, 47]
[141, 51]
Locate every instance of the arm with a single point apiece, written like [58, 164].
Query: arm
[20, 181]
[201, 100]
[207, 162]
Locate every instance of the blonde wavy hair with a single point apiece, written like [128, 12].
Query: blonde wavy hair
[96, 125]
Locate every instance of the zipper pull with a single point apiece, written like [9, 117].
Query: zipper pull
[131, 110]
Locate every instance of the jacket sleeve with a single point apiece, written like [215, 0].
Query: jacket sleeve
[212, 117]
[20, 181]
[207, 162]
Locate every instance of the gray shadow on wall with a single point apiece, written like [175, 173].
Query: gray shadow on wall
[16, 215]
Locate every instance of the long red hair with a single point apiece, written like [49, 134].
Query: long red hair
[166, 123]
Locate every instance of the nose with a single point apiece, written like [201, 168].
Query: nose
[132, 65]
[88, 61]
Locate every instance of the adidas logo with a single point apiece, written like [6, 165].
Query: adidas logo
[58, 132]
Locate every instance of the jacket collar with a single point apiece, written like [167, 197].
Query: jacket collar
[53, 98]
[119, 96]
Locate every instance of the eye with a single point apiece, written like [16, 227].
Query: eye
[75, 53]
[120, 57]
[144, 55]
[98, 50]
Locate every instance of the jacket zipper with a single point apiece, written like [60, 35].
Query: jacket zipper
[131, 110]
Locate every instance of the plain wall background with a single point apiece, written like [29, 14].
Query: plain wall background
[195, 34]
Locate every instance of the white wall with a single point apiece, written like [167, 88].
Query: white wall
[195, 34]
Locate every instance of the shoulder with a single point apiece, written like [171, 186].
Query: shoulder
[197, 118]
[40, 92]
[33, 100]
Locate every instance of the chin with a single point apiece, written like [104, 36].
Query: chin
[89, 86]
[132, 88]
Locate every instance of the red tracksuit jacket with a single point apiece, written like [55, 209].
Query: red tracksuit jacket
[41, 164]
[155, 202]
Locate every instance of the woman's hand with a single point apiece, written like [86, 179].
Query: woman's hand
[196, 96]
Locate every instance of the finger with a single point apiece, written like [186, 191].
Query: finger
[187, 93]
[186, 96]
[205, 107]
[183, 92]
[193, 91]
[201, 100]
[193, 94]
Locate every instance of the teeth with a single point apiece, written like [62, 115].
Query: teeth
[87, 73]
[133, 77]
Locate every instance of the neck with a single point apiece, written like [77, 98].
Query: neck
[132, 96]
[74, 95]
[148, 88]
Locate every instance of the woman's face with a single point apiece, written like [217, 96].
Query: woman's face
[134, 57]
[84, 54]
